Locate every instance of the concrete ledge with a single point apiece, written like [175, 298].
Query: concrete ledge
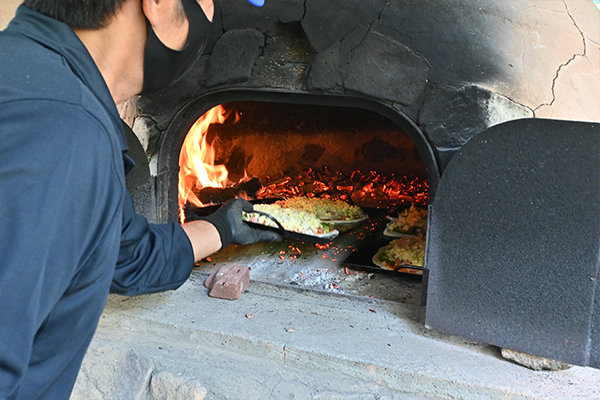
[333, 345]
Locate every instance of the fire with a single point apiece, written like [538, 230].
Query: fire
[203, 183]
[197, 167]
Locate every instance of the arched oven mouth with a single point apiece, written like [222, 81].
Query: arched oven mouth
[381, 138]
[167, 169]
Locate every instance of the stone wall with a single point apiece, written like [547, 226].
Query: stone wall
[452, 67]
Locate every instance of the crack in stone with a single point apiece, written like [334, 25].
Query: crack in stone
[147, 116]
[369, 29]
[97, 387]
[304, 13]
[386, 5]
[576, 26]
[560, 67]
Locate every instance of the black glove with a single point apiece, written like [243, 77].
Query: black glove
[232, 229]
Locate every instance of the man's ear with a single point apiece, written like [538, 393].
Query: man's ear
[161, 12]
[168, 21]
[153, 10]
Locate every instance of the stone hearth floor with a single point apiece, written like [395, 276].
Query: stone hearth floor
[278, 342]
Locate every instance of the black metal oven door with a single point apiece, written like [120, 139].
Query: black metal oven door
[514, 241]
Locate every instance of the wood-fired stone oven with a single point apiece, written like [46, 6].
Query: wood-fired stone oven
[443, 72]
[449, 69]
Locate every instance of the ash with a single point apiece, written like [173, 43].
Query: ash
[314, 267]
[318, 278]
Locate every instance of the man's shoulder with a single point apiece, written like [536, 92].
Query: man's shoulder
[52, 133]
[31, 71]
[38, 81]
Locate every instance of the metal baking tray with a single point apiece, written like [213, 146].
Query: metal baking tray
[362, 258]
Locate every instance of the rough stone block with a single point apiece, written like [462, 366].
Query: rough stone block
[108, 373]
[533, 362]
[167, 386]
[228, 282]
[324, 26]
[227, 66]
[384, 68]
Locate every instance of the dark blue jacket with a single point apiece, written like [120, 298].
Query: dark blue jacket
[68, 231]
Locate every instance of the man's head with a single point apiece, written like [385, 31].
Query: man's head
[79, 14]
[84, 14]
[136, 44]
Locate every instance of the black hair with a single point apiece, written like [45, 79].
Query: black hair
[78, 14]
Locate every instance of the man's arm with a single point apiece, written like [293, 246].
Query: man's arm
[204, 238]
[152, 257]
[157, 257]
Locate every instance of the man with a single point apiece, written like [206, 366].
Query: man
[68, 232]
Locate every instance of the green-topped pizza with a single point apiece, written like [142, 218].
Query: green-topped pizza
[411, 221]
[404, 251]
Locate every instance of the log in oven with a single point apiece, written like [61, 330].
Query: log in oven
[513, 235]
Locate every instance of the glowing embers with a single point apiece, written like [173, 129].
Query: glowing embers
[367, 189]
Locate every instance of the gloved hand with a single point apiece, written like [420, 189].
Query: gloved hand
[232, 229]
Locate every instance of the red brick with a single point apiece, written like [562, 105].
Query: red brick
[228, 282]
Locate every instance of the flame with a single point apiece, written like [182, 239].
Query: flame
[197, 167]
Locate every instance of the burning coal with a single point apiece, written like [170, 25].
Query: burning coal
[364, 189]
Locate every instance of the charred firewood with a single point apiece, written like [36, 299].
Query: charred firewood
[246, 189]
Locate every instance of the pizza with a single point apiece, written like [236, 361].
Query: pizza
[328, 210]
[291, 219]
[404, 251]
[411, 221]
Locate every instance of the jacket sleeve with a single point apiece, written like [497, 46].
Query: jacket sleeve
[152, 257]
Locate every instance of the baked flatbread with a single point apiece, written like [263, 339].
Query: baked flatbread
[291, 219]
[327, 210]
[405, 251]
[411, 222]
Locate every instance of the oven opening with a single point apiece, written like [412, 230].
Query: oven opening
[353, 169]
